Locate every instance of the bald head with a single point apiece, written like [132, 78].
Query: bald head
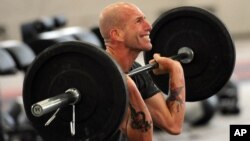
[114, 16]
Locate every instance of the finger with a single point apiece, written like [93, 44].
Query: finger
[156, 56]
[153, 60]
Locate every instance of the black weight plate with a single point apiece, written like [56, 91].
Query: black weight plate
[207, 36]
[98, 78]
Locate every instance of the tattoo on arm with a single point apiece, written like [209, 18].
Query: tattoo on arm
[174, 97]
[139, 120]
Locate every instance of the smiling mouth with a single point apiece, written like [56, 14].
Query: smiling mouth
[146, 37]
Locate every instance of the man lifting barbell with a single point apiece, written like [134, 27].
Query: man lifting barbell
[75, 91]
[126, 33]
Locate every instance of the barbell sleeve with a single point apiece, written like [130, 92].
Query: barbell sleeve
[70, 97]
[185, 55]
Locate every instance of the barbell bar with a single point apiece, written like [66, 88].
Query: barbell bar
[184, 55]
[72, 96]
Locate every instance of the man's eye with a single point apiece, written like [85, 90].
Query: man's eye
[139, 20]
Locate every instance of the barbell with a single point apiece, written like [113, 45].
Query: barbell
[87, 89]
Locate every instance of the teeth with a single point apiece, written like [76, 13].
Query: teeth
[146, 37]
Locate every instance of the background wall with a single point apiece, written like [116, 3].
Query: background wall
[234, 13]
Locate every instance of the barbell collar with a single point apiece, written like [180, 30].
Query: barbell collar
[70, 97]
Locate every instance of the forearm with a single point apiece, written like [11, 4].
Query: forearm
[176, 99]
[169, 114]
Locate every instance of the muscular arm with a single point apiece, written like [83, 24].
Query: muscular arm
[169, 114]
[138, 125]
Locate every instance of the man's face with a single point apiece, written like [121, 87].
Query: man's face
[137, 30]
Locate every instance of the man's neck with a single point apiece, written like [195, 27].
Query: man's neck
[125, 57]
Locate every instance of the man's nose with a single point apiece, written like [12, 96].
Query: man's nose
[148, 26]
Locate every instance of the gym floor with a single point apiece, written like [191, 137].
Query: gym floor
[218, 127]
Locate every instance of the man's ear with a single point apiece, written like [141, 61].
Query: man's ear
[117, 34]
